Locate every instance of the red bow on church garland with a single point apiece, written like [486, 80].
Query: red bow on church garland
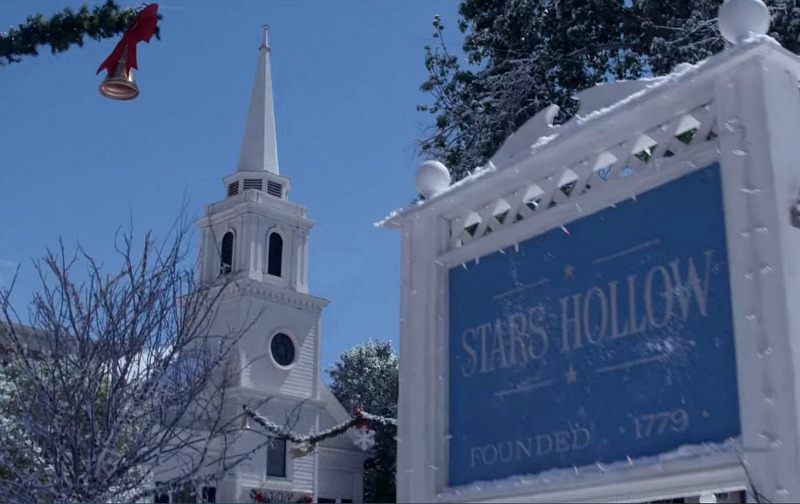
[142, 30]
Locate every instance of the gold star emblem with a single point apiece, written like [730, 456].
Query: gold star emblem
[571, 375]
[569, 271]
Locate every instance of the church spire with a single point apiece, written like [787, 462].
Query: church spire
[259, 147]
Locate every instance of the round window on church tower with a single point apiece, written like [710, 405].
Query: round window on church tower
[282, 349]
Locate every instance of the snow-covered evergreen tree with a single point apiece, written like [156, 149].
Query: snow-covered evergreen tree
[519, 56]
[366, 377]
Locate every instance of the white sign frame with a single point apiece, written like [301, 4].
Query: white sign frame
[757, 112]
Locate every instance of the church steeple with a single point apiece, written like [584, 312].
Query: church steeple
[259, 146]
[255, 232]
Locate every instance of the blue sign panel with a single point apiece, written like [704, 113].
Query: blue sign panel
[612, 338]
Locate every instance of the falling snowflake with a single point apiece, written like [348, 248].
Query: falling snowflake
[365, 438]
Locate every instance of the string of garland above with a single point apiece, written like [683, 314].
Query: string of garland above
[65, 29]
[304, 444]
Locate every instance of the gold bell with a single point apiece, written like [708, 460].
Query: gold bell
[120, 85]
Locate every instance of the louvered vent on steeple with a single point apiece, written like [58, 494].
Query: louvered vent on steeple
[274, 189]
[250, 183]
[233, 188]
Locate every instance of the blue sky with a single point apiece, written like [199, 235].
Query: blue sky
[346, 78]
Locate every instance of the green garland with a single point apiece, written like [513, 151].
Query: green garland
[65, 29]
[359, 419]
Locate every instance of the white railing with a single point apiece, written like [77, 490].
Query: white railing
[640, 154]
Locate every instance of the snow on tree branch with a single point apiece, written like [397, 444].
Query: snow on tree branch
[521, 56]
[117, 377]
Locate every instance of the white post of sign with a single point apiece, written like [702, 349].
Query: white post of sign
[417, 472]
[648, 182]
[760, 106]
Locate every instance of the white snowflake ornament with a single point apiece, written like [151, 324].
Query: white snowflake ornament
[365, 438]
[302, 449]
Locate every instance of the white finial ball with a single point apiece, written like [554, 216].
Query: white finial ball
[708, 498]
[432, 178]
[738, 19]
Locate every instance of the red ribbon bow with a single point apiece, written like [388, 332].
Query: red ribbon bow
[361, 423]
[142, 30]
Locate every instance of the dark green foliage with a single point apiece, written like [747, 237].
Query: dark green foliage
[520, 56]
[366, 377]
[65, 29]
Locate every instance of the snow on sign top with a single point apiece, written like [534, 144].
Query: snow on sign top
[604, 102]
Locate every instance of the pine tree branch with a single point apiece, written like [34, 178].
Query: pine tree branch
[66, 29]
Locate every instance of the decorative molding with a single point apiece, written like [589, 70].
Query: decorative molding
[640, 154]
[540, 127]
[280, 294]
[255, 201]
[276, 398]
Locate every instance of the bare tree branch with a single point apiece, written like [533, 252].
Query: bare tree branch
[117, 378]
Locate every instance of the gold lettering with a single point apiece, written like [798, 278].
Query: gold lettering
[482, 330]
[516, 335]
[576, 432]
[565, 346]
[615, 332]
[574, 439]
[491, 459]
[535, 318]
[587, 323]
[474, 453]
[505, 342]
[632, 315]
[527, 449]
[539, 450]
[510, 446]
[562, 441]
[499, 347]
[648, 296]
[660, 423]
[473, 356]
[693, 281]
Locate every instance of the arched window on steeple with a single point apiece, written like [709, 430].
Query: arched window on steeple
[275, 255]
[226, 256]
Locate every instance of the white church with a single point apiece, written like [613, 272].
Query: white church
[258, 238]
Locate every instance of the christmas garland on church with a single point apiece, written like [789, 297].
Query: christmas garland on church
[65, 29]
[304, 444]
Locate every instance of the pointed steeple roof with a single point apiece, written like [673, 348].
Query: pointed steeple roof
[259, 146]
